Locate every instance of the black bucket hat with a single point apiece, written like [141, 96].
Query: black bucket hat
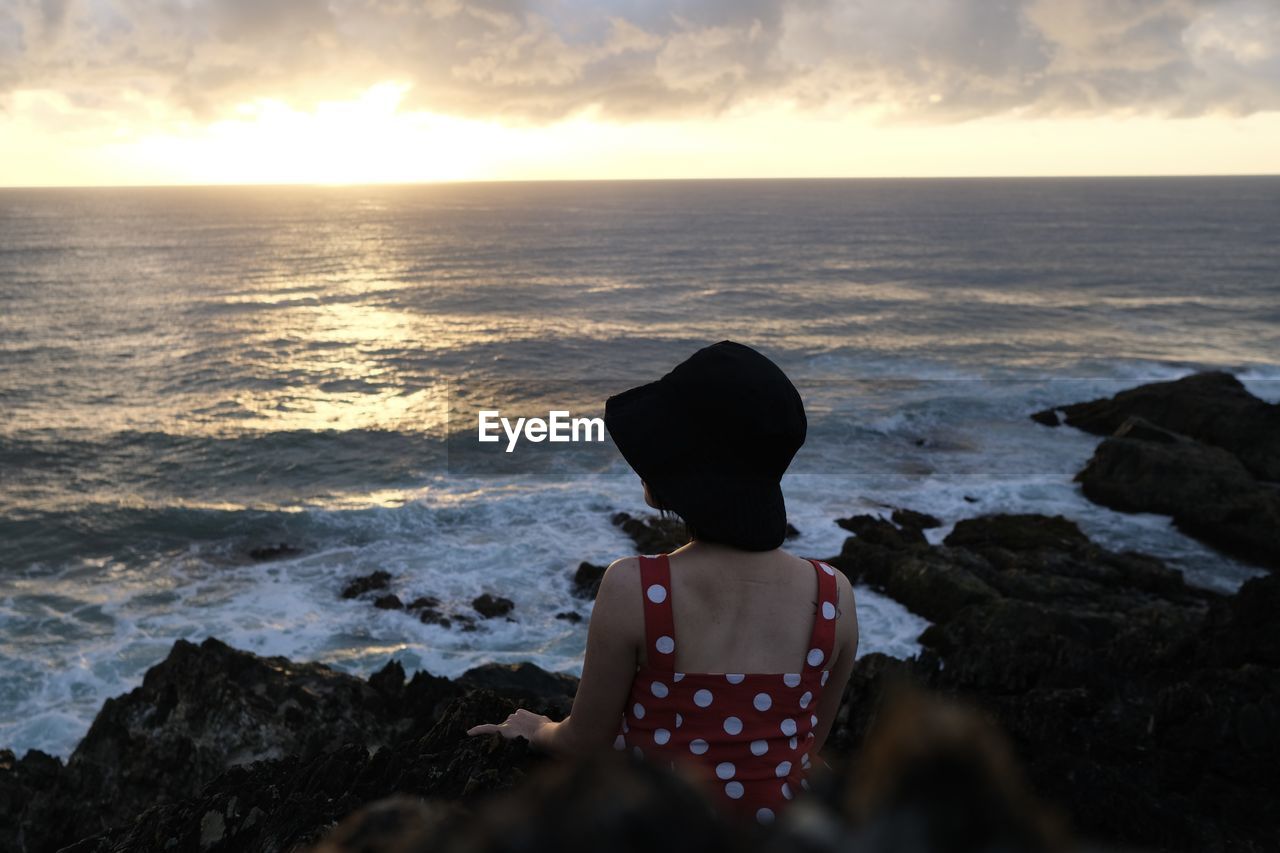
[712, 439]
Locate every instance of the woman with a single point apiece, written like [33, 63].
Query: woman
[728, 654]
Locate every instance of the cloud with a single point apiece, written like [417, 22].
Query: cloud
[541, 60]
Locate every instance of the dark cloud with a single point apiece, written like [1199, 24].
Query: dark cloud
[539, 60]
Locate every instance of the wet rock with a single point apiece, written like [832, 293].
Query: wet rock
[873, 529]
[1208, 492]
[569, 616]
[586, 580]
[389, 601]
[652, 534]
[273, 552]
[490, 606]
[1212, 407]
[366, 583]
[910, 518]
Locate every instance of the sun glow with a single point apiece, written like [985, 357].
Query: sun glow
[365, 140]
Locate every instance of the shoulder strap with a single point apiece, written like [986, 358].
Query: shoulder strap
[822, 640]
[659, 624]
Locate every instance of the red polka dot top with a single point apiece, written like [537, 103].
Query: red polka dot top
[748, 734]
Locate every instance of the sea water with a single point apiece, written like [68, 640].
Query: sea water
[189, 374]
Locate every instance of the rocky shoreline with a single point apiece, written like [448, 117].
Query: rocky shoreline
[1063, 684]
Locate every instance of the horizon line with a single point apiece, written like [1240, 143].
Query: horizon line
[778, 178]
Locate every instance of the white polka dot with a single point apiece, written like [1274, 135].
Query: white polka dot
[825, 676]
[679, 676]
[619, 742]
[804, 759]
[786, 790]
[661, 736]
[697, 746]
[805, 698]
[732, 725]
[637, 710]
[791, 679]
[815, 657]
[764, 815]
[657, 593]
[759, 747]
[809, 736]
[782, 769]
[788, 726]
[625, 727]
[793, 743]
[734, 677]
[725, 770]
[804, 783]
[763, 701]
[734, 790]
[828, 610]
[659, 689]
[702, 698]
[828, 569]
[813, 720]
[679, 721]
[665, 645]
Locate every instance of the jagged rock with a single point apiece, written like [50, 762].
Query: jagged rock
[390, 601]
[1206, 490]
[910, 518]
[366, 583]
[521, 681]
[652, 535]
[586, 580]
[1212, 407]
[1144, 706]
[569, 616]
[876, 530]
[490, 606]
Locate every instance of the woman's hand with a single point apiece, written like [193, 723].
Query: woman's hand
[522, 723]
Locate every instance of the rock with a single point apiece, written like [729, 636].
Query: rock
[918, 520]
[366, 583]
[423, 601]
[273, 552]
[389, 601]
[1207, 490]
[875, 530]
[1144, 706]
[202, 711]
[569, 616]
[490, 606]
[1048, 417]
[654, 534]
[586, 580]
[521, 681]
[1211, 407]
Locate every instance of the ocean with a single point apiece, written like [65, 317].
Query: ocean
[187, 374]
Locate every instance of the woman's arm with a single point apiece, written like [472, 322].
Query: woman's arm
[846, 650]
[614, 635]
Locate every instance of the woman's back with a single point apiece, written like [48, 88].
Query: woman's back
[731, 678]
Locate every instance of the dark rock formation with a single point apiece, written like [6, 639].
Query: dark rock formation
[569, 616]
[523, 682]
[1201, 449]
[366, 583]
[1145, 707]
[586, 580]
[490, 606]
[273, 552]
[658, 535]
[1211, 407]
[201, 711]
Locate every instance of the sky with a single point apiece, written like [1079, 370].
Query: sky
[129, 92]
